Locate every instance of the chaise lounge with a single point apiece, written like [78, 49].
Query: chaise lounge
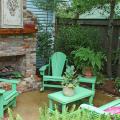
[109, 108]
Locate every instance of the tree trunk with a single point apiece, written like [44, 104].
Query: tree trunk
[110, 38]
[118, 69]
[76, 15]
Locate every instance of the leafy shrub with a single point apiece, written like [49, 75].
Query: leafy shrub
[72, 115]
[100, 79]
[117, 83]
[70, 38]
[75, 115]
[12, 117]
[85, 57]
[44, 44]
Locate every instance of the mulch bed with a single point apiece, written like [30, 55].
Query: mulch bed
[109, 87]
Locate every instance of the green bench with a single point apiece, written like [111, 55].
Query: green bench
[8, 98]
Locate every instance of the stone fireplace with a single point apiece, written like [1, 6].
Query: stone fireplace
[18, 46]
[20, 53]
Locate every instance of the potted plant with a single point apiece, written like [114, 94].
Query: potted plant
[88, 61]
[70, 81]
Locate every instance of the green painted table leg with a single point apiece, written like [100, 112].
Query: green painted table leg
[1, 107]
[91, 100]
[50, 104]
[63, 107]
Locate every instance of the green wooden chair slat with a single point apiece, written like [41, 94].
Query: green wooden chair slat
[52, 78]
[8, 98]
[55, 68]
[58, 61]
[51, 85]
[9, 94]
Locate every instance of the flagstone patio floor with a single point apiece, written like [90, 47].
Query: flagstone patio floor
[28, 103]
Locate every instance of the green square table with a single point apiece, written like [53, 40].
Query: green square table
[80, 93]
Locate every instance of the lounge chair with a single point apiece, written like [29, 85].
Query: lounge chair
[109, 108]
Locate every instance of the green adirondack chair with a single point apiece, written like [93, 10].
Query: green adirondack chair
[55, 68]
[8, 98]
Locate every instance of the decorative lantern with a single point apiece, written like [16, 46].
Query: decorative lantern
[11, 12]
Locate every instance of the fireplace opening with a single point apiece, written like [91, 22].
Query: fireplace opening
[12, 67]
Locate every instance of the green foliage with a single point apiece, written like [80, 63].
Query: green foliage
[44, 44]
[81, 7]
[10, 114]
[44, 4]
[116, 55]
[116, 117]
[70, 78]
[75, 115]
[11, 117]
[84, 5]
[72, 115]
[61, 8]
[65, 9]
[117, 83]
[100, 79]
[17, 74]
[44, 115]
[70, 38]
[85, 57]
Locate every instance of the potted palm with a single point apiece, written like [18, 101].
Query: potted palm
[88, 61]
[70, 81]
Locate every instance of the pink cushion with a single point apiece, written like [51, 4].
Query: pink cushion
[113, 110]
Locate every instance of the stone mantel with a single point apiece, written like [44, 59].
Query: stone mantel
[28, 29]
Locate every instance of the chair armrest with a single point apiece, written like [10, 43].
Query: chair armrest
[2, 91]
[92, 108]
[90, 80]
[43, 68]
[110, 104]
[87, 79]
[12, 81]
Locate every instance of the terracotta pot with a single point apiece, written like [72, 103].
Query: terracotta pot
[87, 72]
[67, 91]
